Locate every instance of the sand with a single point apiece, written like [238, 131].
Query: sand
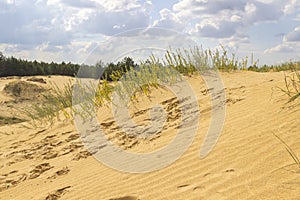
[248, 162]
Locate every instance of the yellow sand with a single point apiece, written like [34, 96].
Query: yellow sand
[248, 162]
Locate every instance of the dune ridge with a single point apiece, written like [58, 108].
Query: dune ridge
[248, 162]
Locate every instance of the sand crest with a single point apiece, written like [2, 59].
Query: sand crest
[248, 162]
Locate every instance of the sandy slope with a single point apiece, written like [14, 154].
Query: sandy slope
[31, 90]
[248, 162]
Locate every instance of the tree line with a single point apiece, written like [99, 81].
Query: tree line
[11, 66]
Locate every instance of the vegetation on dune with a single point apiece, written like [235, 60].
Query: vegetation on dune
[291, 80]
[128, 79]
[292, 83]
[290, 151]
[126, 76]
[23, 89]
[183, 60]
[47, 110]
[292, 90]
[10, 120]
[291, 65]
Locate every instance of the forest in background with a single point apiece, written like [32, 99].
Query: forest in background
[11, 66]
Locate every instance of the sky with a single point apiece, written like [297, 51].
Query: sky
[71, 30]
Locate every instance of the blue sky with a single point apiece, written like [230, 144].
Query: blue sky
[68, 30]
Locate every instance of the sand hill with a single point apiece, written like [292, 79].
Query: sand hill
[248, 162]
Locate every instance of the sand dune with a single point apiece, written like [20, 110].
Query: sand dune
[248, 162]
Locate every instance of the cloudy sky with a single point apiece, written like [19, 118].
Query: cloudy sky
[68, 30]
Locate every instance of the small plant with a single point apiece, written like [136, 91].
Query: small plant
[142, 79]
[53, 101]
[195, 60]
[182, 60]
[292, 83]
[290, 151]
[10, 120]
[292, 90]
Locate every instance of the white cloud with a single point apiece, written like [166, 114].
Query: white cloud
[168, 20]
[293, 36]
[282, 48]
[223, 19]
[106, 22]
[215, 29]
[139, 42]
[68, 27]
[234, 42]
[49, 26]
[290, 43]
[119, 5]
[291, 6]
[194, 8]
[104, 17]
[30, 22]
[297, 18]
[79, 3]
[56, 21]
[45, 47]
[261, 12]
[148, 6]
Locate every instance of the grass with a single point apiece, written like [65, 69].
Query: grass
[290, 151]
[194, 60]
[292, 90]
[10, 120]
[148, 75]
[222, 61]
[127, 84]
[292, 83]
[152, 73]
[55, 100]
[287, 66]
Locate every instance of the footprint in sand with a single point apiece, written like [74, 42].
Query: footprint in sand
[11, 179]
[57, 193]
[229, 170]
[126, 198]
[82, 154]
[61, 172]
[50, 155]
[107, 124]
[72, 137]
[235, 95]
[39, 169]
[74, 146]
[187, 187]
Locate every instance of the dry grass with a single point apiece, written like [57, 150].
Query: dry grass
[290, 151]
[292, 84]
[292, 90]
